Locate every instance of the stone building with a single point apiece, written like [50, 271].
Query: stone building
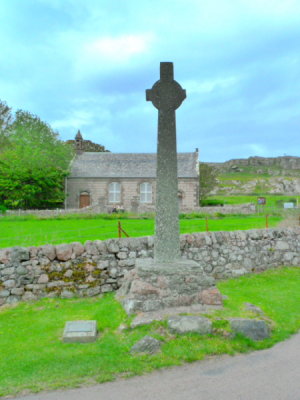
[110, 180]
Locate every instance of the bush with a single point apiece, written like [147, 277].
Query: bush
[219, 215]
[279, 203]
[3, 209]
[211, 203]
[193, 215]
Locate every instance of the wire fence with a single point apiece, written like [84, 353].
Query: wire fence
[22, 235]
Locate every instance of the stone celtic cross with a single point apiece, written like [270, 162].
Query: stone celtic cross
[166, 95]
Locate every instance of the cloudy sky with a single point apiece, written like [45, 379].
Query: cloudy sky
[85, 64]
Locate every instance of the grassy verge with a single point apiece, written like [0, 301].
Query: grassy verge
[271, 199]
[35, 232]
[33, 358]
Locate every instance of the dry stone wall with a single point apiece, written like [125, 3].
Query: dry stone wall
[97, 267]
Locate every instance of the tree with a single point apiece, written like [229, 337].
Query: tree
[208, 180]
[6, 119]
[5, 116]
[34, 164]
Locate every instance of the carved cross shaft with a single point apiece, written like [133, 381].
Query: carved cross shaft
[166, 95]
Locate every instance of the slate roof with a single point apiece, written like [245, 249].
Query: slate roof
[128, 165]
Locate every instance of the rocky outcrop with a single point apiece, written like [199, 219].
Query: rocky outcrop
[280, 185]
[284, 162]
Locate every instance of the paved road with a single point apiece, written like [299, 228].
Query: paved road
[272, 374]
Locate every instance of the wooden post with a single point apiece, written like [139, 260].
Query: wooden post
[120, 230]
[206, 224]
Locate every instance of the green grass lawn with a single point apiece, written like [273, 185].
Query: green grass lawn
[34, 232]
[271, 199]
[33, 357]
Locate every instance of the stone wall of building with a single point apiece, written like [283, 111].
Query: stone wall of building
[97, 267]
[130, 193]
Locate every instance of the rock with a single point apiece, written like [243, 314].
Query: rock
[103, 264]
[130, 262]
[21, 270]
[122, 255]
[253, 308]
[188, 324]
[4, 293]
[4, 256]
[66, 294]
[33, 251]
[91, 248]
[48, 250]
[147, 344]
[63, 252]
[143, 288]
[113, 272]
[281, 245]
[8, 271]
[68, 273]
[19, 254]
[10, 283]
[94, 291]
[78, 248]
[112, 246]
[44, 278]
[29, 296]
[106, 288]
[12, 300]
[101, 246]
[254, 329]
[90, 279]
[211, 296]
[17, 291]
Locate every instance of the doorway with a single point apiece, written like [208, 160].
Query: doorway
[84, 200]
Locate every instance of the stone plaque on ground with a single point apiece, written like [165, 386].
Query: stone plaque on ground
[80, 331]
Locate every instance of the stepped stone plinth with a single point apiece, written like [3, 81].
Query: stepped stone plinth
[152, 286]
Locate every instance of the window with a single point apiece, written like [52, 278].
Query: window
[146, 192]
[114, 192]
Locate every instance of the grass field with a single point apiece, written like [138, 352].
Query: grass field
[33, 357]
[34, 232]
[271, 199]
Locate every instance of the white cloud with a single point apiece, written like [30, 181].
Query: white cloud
[197, 86]
[117, 49]
[106, 53]
[76, 119]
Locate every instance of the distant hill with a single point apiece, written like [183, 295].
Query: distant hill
[258, 175]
